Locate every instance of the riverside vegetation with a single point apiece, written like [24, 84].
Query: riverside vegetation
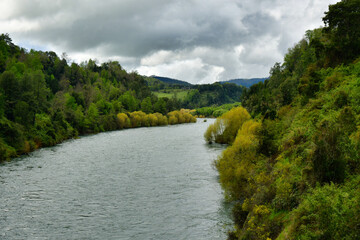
[44, 100]
[292, 168]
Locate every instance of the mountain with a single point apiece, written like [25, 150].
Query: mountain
[172, 81]
[246, 82]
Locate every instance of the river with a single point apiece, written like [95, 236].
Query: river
[145, 183]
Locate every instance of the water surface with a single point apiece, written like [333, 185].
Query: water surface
[146, 183]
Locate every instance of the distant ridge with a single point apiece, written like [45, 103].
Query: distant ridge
[171, 81]
[246, 82]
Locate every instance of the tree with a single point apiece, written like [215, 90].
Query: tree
[35, 91]
[129, 102]
[7, 50]
[92, 118]
[146, 105]
[342, 22]
[23, 113]
[2, 105]
[10, 87]
[123, 120]
[160, 106]
[329, 162]
[226, 127]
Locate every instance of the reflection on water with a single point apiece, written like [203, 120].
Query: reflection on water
[147, 183]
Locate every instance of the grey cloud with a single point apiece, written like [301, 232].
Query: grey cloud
[134, 30]
[151, 29]
[260, 23]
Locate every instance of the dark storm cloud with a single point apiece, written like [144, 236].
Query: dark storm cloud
[136, 29]
[259, 24]
[216, 39]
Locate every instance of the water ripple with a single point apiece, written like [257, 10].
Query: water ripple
[154, 183]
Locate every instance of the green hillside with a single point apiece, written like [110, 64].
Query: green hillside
[171, 81]
[196, 96]
[45, 100]
[179, 94]
[246, 82]
[292, 169]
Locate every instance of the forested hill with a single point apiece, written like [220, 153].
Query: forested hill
[246, 82]
[44, 99]
[196, 96]
[172, 81]
[293, 167]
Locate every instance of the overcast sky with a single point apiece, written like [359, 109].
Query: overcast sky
[199, 41]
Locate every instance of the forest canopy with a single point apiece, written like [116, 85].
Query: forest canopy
[44, 99]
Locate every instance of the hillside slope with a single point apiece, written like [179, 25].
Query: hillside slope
[293, 167]
[45, 100]
[195, 96]
[172, 81]
[246, 82]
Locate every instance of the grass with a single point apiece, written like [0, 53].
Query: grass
[170, 93]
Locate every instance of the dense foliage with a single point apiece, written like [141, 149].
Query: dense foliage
[246, 82]
[196, 96]
[214, 94]
[226, 127]
[45, 99]
[293, 170]
[216, 111]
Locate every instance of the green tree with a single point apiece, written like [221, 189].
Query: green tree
[7, 50]
[2, 104]
[23, 113]
[35, 91]
[92, 118]
[11, 90]
[329, 162]
[146, 105]
[129, 102]
[160, 106]
[342, 22]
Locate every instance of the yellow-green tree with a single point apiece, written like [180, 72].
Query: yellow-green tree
[237, 162]
[123, 120]
[225, 128]
[182, 116]
[138, 119]
[153, 120]
[162, 120]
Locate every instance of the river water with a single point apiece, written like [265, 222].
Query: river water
[145, 183]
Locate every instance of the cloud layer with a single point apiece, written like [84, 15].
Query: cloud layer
[192, 40]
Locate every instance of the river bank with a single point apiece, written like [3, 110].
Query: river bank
[47, 132]
[143, 183]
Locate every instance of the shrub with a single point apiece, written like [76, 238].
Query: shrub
[225, 128]
[328, 212]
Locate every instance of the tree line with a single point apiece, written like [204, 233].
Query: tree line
[45, 99]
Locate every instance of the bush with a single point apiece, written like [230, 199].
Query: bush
[329, 162]
[123, 120]
[225, 128]
[6, 151]
[236, 164]
[182, 116]
[328, 212]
